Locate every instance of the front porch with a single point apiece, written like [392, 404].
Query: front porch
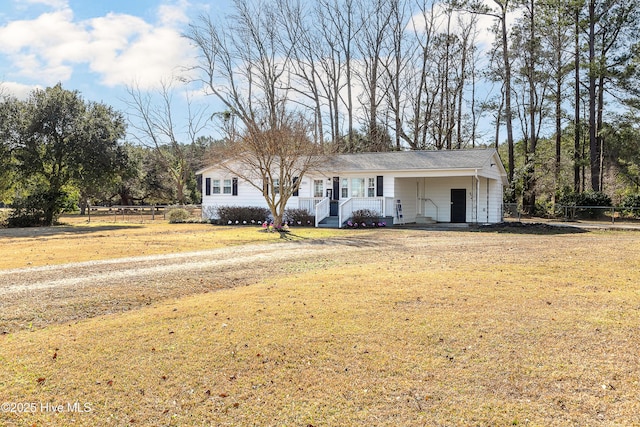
[336, 213]
[419, 200]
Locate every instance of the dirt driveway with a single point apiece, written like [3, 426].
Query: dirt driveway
[37, 296]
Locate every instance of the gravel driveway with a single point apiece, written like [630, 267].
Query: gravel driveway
[38, 296]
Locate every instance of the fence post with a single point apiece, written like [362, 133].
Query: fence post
[613, 214]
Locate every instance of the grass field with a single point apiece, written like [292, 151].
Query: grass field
[417, 328]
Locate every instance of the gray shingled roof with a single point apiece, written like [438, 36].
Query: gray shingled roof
[408, 160]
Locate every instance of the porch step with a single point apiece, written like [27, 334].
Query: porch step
[329, 222]
[420, 219]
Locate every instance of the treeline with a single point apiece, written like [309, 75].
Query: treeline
[413, 74]
[60, 152]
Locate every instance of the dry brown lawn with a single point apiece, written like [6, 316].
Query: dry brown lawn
[393, 328]
[78, 240]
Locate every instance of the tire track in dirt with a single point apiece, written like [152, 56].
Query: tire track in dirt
[120, 269]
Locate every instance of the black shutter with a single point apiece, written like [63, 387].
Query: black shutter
[265, 188]
[207, 187]
[336, 188]
[234, 187]
[295, 182]
[379, 186]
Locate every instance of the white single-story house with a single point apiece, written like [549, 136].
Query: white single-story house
[452, 186]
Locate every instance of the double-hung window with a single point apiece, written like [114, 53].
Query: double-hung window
[317, 187]
[227, 186]
[344, 188]
[371, 187]
[215, 186]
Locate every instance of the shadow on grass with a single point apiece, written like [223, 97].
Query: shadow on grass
[31, 232]
[531, 228]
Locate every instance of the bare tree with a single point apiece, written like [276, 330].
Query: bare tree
[244, 64]
[270, 156]
[374, 24]
[417, 89]
[155, 125]
[500, 14]
[303, 40]
[398, 61]
[337, 22]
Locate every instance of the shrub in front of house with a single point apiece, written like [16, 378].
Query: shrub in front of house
[299, 217]
[366, 218]
[242, 215]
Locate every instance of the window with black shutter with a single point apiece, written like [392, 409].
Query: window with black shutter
[379, 186]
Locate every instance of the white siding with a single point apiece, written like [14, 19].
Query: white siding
[248, 195]
[406, 192]
[496, 193]
[438, 190]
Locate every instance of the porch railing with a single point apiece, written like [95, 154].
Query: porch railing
[323, 210]
[382, 206]
[309, 203]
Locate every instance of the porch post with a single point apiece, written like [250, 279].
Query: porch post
[477, 197]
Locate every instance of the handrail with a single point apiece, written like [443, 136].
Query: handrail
[323, 210]
[345, 206]
[434, 205]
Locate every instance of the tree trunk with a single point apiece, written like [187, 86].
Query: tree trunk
[576, 119]
[507, 89]
[594, 149]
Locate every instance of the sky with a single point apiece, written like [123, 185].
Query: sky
[97, 47]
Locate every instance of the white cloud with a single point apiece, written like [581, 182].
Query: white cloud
[170, 15]
[18, 90]
[484, 36]
[119, 48]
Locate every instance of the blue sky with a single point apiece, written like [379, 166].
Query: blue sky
[99, 47]
[93, 46]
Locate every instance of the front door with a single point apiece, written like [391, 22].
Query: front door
[458, 205]
[334, 204]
